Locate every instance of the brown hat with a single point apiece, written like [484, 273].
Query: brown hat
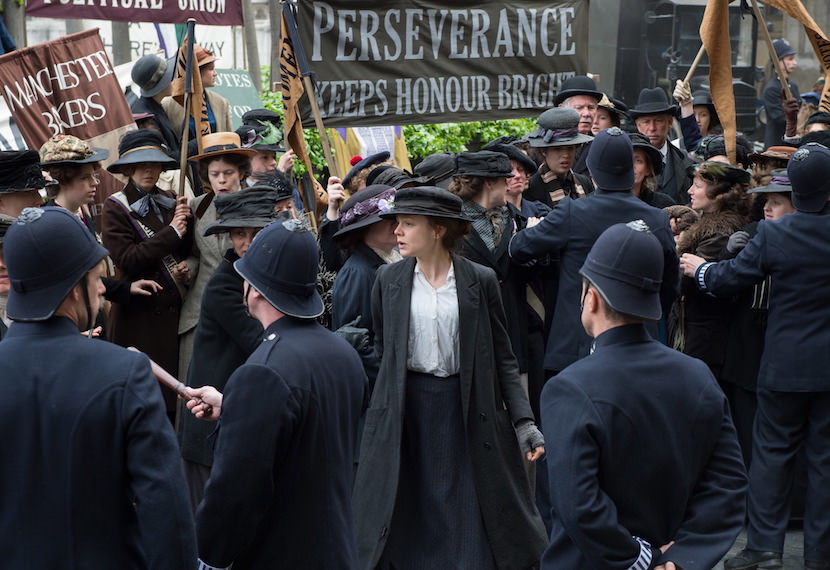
[203, 56]
[225, 142]
[779, 152]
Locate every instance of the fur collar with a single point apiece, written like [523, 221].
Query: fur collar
[710, 225]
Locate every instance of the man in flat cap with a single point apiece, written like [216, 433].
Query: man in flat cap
[646, 471]
[20, 181]
[90, 470]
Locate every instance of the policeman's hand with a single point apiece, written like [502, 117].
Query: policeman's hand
[737, 241]
[286, 162]
[689, 263]
[531, 440]
[356, 336]
[337, 195]
[205, 402]
[144, 287]
[531, 221]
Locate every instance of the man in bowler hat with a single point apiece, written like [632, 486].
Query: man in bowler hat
[279, 493]
[646, 471]
[793, 381]
[90, 471]
[654, 117]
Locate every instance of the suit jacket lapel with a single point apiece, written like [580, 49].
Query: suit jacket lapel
[469, 313]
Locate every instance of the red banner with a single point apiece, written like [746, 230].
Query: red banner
[206, 12]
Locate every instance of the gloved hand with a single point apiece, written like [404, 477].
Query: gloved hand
[790, 107]
[529, 436]
[737, 242]
[356, 336]
[682, 93]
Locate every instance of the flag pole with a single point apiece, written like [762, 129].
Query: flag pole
[695, 64]
[308, 83]
[788, 94]
[188, 96]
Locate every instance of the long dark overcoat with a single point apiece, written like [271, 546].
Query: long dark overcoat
[492, 401]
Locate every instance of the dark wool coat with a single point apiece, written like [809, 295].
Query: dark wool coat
[675, 181]
[279, 491]
[89, 468]
[225, 337]
[150, 323]
[640, 444]
[492, 402]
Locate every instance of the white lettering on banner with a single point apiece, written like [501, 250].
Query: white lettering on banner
[455, 34]
[135, 4]
[75, 113]
[210, 6]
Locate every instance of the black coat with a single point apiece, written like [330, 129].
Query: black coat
[492, 402]
[279, 493]
[352, 292]
[675, 180]
[225, 337]
[90, 468]
[162, 122]
[640, 444]
[570, 231]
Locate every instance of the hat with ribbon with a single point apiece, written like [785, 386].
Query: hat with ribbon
[653, 102]
[625, 265]
[266, 137]
[808, 169]
[281, 264]
[20, 171]
[365, 207]
[577, 85]
[426, 201]
[68, 149]
[221, 143]
[251, 207]
[141, 146]
[483, 164]
[779, 182]
[47, 252]
[557, 127]
[153, 73]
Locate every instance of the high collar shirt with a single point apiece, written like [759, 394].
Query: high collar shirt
[433, 326]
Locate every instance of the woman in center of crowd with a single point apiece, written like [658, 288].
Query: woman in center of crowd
[441, 481]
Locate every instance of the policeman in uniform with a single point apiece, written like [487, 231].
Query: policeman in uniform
[90, 471]
[793, 380]
[279, 493]
[646, 471]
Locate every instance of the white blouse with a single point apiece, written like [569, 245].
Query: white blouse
[433, 326]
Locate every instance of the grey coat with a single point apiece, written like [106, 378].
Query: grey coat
[492, 402]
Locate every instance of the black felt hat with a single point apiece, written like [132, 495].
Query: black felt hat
[483, 164]
[611, 160]
[142, 145]
[577, 85]
[514, 153]
[625, 265]
[251, 207]
[153, 73]
[389, 175]
[426, 201]
[370, 160]
[20, 171]
[808, 169]
[653, 102]
[716, 171]
[640, 141]
[557, 127]
[256, 118]
[436, 169]
[278, 182]
[364, 208]
[282, 264]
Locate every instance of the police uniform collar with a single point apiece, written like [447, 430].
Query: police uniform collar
[635, 332]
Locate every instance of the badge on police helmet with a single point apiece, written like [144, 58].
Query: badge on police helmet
[638, 226]
[614, 131]
[801, 154]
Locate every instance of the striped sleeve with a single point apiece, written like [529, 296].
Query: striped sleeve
[644, 559]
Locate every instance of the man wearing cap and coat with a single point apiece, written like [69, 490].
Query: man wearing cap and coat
[654, 117]
[646, 468]
[90, 472]
[279, 493]
[793, 384]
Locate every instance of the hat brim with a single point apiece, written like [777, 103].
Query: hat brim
[249, 152]
[654, 155]
[301, 307]
[98, 155]
[653, 109]
[425, 211]
[567, 93]
[577, 140]
[367, 221]
[165, 80]
[780, 188]
[484, 174]
[143, 156]
[227, 225]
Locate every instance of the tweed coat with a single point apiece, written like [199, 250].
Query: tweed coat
[492, 402]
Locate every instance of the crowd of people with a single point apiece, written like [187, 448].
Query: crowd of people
[591, 346]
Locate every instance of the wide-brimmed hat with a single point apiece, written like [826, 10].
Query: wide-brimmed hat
[388, 175]
[5, 223]
[202, 55]
[47, 251]
[483, 164]
[783, 48]
[278, 182]
[615, 107]
[257, 118]
[20, 171]
[222, 143]
[557, 127]
[779, 182]
[370, 160]
[364, 208]
[715, 171]
[67, 149]
[640, 141]
[653, 102]
[436, 169]
[625, 265]
[265, 137]
[610, 160]
[577, 85]
[808, 169]
[141, 146]
[426, 201]
[776, 152]
[515, 154]
[251, 207]
[281, 264]
[153, 73]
